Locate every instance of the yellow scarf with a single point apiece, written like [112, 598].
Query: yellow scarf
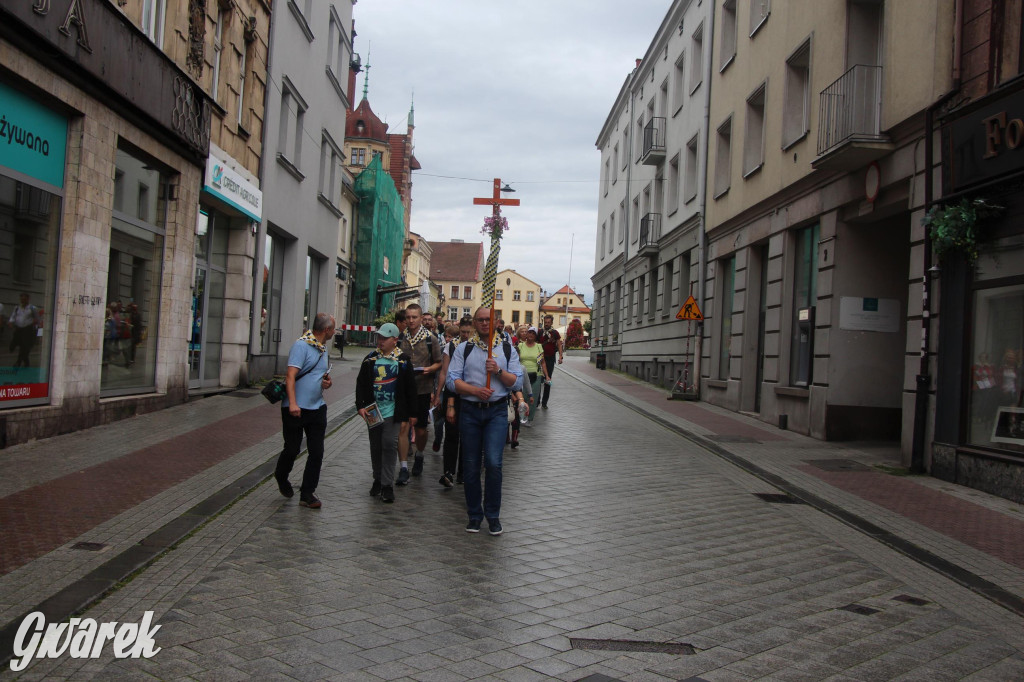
[311, 340]
[421, 334]
[480, 343]
[393, 355]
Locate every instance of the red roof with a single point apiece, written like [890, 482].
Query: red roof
[456, 261]
[550, 306]
[373, 127]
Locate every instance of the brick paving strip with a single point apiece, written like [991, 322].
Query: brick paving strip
[974, 525]
[81, 501]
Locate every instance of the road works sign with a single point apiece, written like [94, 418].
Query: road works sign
[690, 311]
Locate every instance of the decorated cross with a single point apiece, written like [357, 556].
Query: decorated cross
[494, 226]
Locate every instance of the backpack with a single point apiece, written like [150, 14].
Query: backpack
[507, 347]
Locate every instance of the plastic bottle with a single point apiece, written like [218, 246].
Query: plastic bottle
[522, 410]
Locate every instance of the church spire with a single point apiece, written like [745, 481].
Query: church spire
[412, 102]
[366, 76]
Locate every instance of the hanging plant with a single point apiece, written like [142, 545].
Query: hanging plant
[954, 227]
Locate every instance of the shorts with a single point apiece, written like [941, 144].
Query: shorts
[419, 412]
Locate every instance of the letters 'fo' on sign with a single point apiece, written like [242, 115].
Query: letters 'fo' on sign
[690, 311]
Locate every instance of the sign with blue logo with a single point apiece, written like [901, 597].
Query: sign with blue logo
[33, 139]
[230, 187]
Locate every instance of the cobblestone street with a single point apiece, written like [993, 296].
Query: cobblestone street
[616, 529]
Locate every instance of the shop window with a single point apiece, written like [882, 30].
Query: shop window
[996, 405]
[805, 297]
[134, 276]
[725, 328]
[314, 265]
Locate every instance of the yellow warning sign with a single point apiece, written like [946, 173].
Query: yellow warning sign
[690, 311]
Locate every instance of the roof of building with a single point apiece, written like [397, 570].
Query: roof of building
[456, 261]
[580, 307]
[372, 127]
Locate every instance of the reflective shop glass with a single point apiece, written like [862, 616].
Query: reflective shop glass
[29, 226]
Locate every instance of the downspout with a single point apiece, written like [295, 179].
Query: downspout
[701, 213]
[924, 379]
[628, 212]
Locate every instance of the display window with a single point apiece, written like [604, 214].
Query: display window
[996, 401]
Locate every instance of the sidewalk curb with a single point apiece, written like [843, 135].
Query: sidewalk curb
[954, 572]
[97, 584]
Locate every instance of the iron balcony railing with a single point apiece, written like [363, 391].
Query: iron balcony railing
[654, 136]
[850, 107]
[650, 230]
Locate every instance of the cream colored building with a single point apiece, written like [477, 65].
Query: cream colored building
[516, 298]
[456, 268]
[418, 254]
[345, 263]
[815, 194]
[564, 306]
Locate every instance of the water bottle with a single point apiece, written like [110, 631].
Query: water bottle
[522, 410]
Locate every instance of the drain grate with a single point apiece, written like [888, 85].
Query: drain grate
[779, 498]
[914, 601]
[89, 546]
[677, 648]
[859, 609]
[837, 465]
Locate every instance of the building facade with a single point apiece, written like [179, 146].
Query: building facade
[99, 190]
[651, 201]
[302, 174]
[517, 299]
[979, 420]
[456, 267]
[565, 305]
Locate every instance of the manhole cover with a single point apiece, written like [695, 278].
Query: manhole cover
[837, 465]
[89, 546]
[725, 438]
[915, 601]
[779, 498]
[859, 609]
[677, 648]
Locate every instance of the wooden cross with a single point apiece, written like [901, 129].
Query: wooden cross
[491, 269]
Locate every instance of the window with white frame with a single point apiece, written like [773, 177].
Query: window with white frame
[467, 292]
[615, 164]
[679, 82]
[242, 66]
[529, 296]
[759, 11]
[466, 312]
[753, 139]
[517, 295]
[673, 186]
[723, 158]
[293, 110]
[358, 156]
[727, 50]
[499, 294]
[697, 58]
[690, 170]
[622, 220]
[331, 161]
[153, 12]
[453, 314]
[796, 108]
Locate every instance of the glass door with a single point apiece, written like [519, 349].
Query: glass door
[195, 342]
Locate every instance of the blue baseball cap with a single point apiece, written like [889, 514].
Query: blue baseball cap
[388, 330]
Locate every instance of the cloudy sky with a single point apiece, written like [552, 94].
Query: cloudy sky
[516, 89]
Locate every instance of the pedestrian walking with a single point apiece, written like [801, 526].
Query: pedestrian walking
[421, 345]
[483, 421]
[531, 357]
[451, 456]
[386, 379]
[551, 340]
[437, 408]
[304, 409]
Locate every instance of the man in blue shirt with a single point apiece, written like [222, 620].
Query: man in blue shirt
[483, 416]
[304, 409]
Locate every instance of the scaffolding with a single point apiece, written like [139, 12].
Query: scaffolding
[380, 238]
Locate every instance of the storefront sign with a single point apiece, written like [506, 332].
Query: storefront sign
[32, 138]
[24, 392]
[985, 143]
[869, 314]
[229, 186]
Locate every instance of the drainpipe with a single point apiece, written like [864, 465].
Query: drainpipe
[923, 379]
[702, 240]
[628, 212]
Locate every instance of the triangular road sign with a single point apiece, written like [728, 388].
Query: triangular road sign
[690, 311]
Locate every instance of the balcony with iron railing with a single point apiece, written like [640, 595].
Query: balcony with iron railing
[849, 121]
[653, 151]
[650, 233]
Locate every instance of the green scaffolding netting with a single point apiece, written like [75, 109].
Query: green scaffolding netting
[380, 237]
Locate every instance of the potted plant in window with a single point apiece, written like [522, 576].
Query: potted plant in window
[955, 227]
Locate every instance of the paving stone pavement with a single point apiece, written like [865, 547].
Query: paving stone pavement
[616, 529]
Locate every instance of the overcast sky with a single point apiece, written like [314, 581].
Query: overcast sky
[519, 90]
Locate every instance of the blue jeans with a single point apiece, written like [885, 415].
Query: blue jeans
[483, 439]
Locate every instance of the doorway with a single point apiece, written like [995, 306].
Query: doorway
[205, 340]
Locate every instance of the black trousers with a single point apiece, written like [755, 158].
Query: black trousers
[314, 424]
[550, 362]
[452, 444]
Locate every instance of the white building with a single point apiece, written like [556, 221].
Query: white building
[311, 47]
[651, 201]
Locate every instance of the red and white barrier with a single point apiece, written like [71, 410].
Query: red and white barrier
[358, 327]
